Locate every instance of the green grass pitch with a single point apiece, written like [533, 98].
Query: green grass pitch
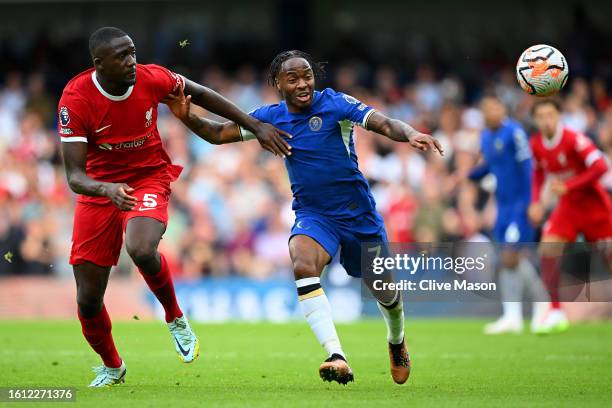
[268, 365]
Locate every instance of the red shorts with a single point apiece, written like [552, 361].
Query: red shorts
[568, 221]
[98, 229]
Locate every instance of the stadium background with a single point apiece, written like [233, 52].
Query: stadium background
[230, 215]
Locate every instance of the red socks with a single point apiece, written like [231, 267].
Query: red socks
[551, 276]
[163, 288]
[97, 332]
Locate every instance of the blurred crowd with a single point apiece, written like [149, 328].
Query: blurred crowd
[230, 212]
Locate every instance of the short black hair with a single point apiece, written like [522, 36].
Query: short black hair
[102, 36]
[548, 101]
[491, 94]
[318, 68]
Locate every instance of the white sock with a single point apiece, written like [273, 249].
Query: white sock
[536, 290]
[394, 318]
[317, 311]
[513, 310]
[511, 287]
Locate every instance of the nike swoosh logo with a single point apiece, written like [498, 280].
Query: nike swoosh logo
[185, 353]
[145, 209]
[102, 128]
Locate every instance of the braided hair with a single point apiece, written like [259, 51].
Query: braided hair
[318, 68]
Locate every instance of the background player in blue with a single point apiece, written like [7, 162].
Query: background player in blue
[506, 154]
[332, 201]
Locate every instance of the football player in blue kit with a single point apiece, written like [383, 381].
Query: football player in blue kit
[506, 154]
[333, 204]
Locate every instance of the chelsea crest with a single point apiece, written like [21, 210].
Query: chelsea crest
[315, 123]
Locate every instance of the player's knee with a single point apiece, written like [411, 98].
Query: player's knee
[142, 251]
[551, 249]
[552, 245]
[89, 303]
[509, 259]
[304, 269]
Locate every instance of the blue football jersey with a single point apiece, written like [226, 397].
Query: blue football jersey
[507, 155]
[322, 167]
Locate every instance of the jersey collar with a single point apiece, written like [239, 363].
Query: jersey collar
[556, 139]
[106, 94]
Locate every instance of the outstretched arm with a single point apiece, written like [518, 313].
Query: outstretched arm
[209, 130]
[213, 132]
[268, 136]
[402, 132]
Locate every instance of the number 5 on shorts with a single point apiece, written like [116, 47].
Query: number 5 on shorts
[148, 200]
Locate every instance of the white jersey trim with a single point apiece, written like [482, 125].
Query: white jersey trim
[364, 122]
[246, 134]
[556, 139]
[182, 80]
[73, 139]
[592, 158]
[109, 96]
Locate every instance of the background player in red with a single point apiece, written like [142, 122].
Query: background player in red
[115, 161]
[575, 166]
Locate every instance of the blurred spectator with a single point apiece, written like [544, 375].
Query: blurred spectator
[428, 92]
[13, 97]
[39, 101]
[245, 90]
[575, 115]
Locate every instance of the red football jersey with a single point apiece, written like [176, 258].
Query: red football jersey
[124, 145]
[568, 155]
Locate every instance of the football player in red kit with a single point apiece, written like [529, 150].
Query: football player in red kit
[575, 166]
[115, 161]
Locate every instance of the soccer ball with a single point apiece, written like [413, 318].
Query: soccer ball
[542, 70]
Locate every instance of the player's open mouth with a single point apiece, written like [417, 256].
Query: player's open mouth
[303, 97]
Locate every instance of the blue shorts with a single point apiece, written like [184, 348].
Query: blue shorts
[346, 234]
[512, 226]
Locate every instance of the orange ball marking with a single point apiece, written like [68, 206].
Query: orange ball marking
[538, 67]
